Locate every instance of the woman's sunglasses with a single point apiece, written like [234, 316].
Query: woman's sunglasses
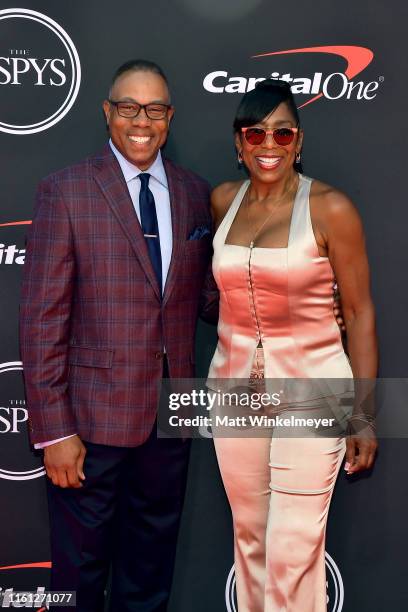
[282, 136]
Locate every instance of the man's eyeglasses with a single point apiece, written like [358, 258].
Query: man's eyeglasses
[282, 136]
[130, 110]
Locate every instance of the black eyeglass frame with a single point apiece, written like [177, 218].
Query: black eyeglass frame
[145, 107]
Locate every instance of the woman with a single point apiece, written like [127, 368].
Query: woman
[282, 239]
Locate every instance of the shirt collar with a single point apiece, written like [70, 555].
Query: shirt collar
[130, 171]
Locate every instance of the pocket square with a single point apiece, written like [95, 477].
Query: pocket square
[199, 232]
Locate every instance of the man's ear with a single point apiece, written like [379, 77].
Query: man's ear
[106, 110]
[170, 114]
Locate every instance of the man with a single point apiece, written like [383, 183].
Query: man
[116, 258]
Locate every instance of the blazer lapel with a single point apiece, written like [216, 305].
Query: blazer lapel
[178, 205]
[110, 179]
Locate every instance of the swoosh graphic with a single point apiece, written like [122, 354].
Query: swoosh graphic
[39, 564]
[357, 58]
[15, 223]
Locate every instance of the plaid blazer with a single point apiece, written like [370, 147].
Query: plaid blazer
[92, 321]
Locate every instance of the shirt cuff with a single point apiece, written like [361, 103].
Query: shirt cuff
[44, 444]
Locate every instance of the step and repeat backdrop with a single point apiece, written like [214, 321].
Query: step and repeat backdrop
[347, 63]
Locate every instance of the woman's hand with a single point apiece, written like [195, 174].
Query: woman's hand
[360, 448]
[337, 309]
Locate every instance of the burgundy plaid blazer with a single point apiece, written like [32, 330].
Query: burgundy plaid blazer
[92, 322]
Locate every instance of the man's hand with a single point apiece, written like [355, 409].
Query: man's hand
[64, 462]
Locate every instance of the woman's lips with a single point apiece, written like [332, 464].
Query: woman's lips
[268, 163]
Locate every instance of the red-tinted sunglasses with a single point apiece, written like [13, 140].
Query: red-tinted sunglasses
[282, 136]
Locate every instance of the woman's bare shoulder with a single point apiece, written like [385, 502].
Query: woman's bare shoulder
[221, 198]
[328, 202]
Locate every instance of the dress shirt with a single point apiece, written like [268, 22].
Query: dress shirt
[160, 190]
[159, 187]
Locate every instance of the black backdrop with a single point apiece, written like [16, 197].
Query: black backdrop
[355, 144]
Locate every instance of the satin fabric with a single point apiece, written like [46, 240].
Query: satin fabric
[290, 307]
[280, 492]
[279, 489]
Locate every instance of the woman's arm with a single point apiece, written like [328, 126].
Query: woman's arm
[221, 198]
[347, 255]
[341, 231]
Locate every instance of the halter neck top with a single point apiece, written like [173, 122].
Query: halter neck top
[280, 297]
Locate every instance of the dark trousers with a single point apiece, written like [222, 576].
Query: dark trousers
[125, 517]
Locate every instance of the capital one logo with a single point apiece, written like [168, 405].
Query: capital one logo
[40, 72]
[12, 254]
[335, 588]
[16, 460]
[316, 84]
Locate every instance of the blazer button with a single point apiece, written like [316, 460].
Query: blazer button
[158, 355]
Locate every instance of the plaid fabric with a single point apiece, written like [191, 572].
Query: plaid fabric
[92, 324]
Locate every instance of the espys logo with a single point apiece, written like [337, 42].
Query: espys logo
[332, 86]
[11, 254]
[11, 419]
[335, 588]
[40, 72]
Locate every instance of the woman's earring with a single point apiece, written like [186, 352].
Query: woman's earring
[297, 158]
[240, 160]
